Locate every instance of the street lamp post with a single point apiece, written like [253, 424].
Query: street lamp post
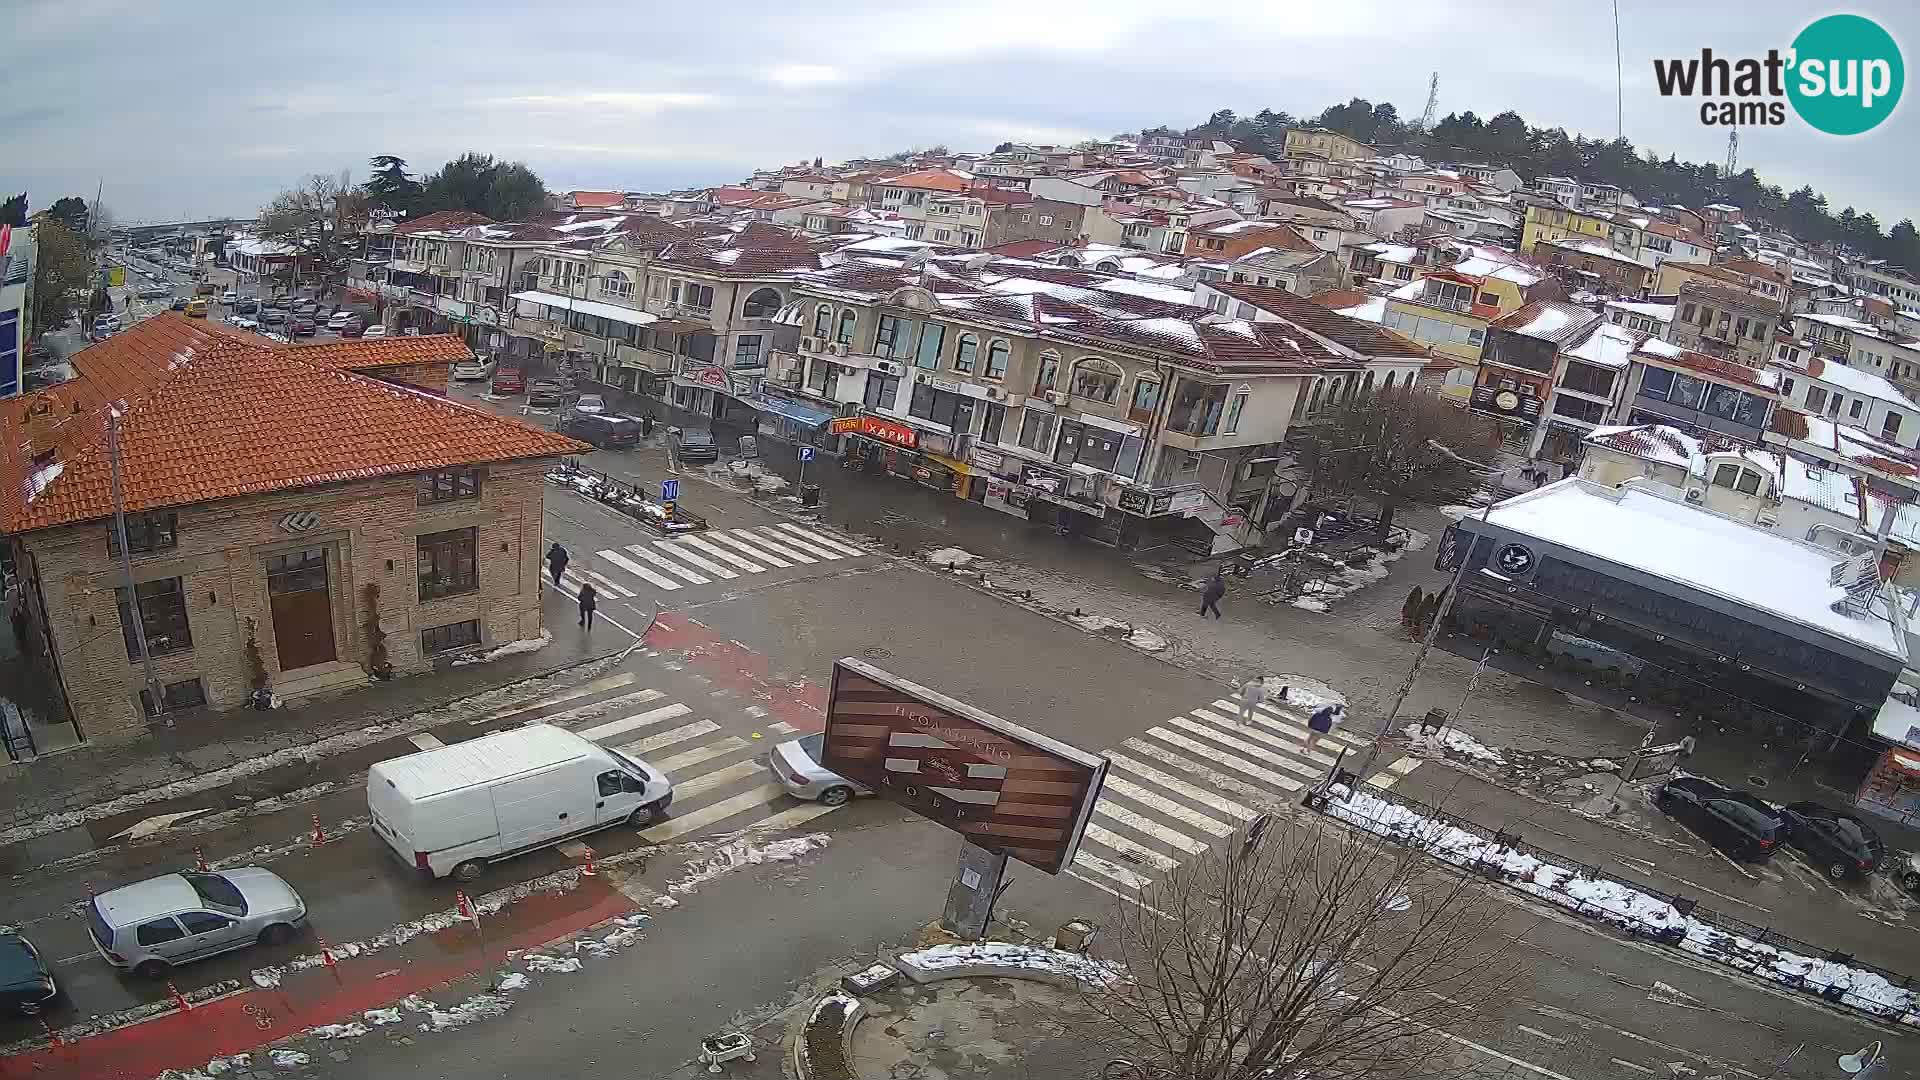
[1866, 1061]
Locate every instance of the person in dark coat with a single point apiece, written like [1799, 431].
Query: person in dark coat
[587, 598]
[556, 561]
[1210, 594]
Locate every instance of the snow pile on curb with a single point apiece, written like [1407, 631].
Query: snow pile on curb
[540, 962]
[1146, 640]
[351, 1030]
[289, 1059]
[951, 557]
[511, 648]
[735, 854]
[1338, 579]
[1456, 741]
[1007, 955]
[1623, 906]
[1100, 624]
[1303, 692]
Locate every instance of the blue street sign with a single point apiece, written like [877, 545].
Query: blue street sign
[669, 490]
[806, 453]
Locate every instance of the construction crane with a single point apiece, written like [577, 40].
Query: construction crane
[1433, 102]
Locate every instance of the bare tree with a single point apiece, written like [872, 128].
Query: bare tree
[319, 217]
[1321, 953]
[1375, 445]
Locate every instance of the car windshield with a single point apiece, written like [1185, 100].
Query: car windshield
[632, 764]
[17, 962]
[697, 438]
[814, 745]
[218, 893]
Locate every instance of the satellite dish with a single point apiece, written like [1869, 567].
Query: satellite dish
[1861, 1059]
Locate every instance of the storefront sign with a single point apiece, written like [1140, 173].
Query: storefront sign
[743, 386]
[988, 459]
[842, 425]
[706, 376]
[951, 386]
[936, 442]
[887, 431]
[1134, 501]
[1185, 502]
[1162, 504]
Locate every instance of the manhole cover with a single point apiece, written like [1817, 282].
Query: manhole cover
[875, 653]
[1756, 781]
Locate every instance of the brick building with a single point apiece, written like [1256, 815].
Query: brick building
[297, 517]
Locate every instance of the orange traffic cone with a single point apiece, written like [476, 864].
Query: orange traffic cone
[319, 834]
[179, 999]
[588, 871]
[326, 952]
[199, 859]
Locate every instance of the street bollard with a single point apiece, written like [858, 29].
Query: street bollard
[319, 834]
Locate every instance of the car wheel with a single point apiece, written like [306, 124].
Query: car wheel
[469, 870]
[1911, 879]
[1839, 871]
[29, 1008]
[836, 795]
[276, 934]
[643, 816]
[151, 969]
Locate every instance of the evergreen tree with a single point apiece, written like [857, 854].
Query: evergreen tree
[14, 210]
[389, 186]
[71, 211]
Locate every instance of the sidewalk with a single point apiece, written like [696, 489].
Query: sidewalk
[89, 775]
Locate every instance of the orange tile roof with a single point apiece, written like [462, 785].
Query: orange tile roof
[929, 179]
[210, 413]
[443, 220]
[349, 354]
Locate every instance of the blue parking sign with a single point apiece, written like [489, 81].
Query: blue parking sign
[669, 490]
[806, 453]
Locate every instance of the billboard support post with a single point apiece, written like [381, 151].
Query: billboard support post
[976, 884]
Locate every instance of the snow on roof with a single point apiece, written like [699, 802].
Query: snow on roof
[1660, 347]
[1608, 345]
[1242, 226]
[1546, 321]
[1655, 442]
[1898, 722]
[1855, 381]
[1393, 253]
[1482, 266]
[1173, 294]
[1656, 312]
[1373, 309]
[1695, 549]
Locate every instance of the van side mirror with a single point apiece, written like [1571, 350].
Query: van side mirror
[628, 783]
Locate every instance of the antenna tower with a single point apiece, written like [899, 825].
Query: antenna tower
[1433, 102]
[1733, 153]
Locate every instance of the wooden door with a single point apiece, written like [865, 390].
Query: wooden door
[302, 608]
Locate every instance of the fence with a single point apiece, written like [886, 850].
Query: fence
[629, 497]
[1730, 942]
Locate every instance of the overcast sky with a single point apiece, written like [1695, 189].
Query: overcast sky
[210, 108]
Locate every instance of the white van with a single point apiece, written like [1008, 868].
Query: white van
[453, 809]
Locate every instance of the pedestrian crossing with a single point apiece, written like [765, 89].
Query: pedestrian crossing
[702, 558]
[1192, 781]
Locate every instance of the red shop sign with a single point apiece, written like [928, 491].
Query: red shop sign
[888, 431]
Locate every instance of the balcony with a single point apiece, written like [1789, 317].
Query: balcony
[682, 310]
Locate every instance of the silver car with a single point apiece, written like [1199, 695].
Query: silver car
[161, 922]
[796, 765]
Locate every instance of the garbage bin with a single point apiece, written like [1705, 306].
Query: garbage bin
[809, 494]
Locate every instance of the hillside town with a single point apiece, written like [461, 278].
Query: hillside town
[1110, 503]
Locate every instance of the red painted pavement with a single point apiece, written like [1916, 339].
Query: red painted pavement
[733, 666]
[318, 995]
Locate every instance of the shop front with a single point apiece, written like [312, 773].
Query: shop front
[789, 420]
[724, 398]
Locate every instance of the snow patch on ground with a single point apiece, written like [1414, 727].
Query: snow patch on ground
[471, 1011]
[1302, 692]
[735, 854]
[382, 1017]
[542, 963]
[1146, 640]
[289, 1059]
[1455, 741]
[1308, 603]
[351, 1030]
[512, 980]
[511, 648]
[951, 557]
[1326, 584]
[1100, 624]
[1004, 954]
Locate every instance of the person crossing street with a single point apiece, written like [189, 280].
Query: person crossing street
[1210, 594]
[556, 562]
[587, 599]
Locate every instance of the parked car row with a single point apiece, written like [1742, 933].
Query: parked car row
[1842, 845]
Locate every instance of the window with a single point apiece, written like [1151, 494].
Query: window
[932, 337]
[439, 639]
[1197, 406]
[882, 390]
[1489, 299]
[761, 304]
[145, 533]
[1749, 482]
[942, 235]
[1816, 399]
[990, 427]
[1890, 426]
[448, 563]
[847, 319]
[449, 485]
[1146, 397]
[1046, 219]
[185, 694]
[997, 360]
[1854, 407]
[158, 932]
[823, 378]
[893, 336]
[1452, 296]
[1686, 313]
[938, 406]
[1096, 379]
[1587, 379]
[616, 284]
[1049, 372]
[1740, 329]
[1234, 408]
[162, 625]
[964, 351]
[1786, 388]
[1726, 476]
[822, 321]
[204, 922]
[1036, 431]
[746, 351]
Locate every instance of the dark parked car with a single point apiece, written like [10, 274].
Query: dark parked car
[1842, 845]
[544, 393]
[26, 982]
[272, 317]
[353, 328]
[179, 304]
[303, 325]
[1734, 821]
[247, 305]
[698, 446]
[606, 432]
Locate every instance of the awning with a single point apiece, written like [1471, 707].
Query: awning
[794, 411]
[588, 307]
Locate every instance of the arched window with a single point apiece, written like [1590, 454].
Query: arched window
[844, 335]
[1146, 398]
[963, 353]
[761, 304]
[1367, 387]
[1388, 385]
[1049, 372]
[615, 283]
[997, 360]
[1097, 379]
[822, 321]
[1313, 403]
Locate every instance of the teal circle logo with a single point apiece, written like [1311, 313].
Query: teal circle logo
[1847, 74]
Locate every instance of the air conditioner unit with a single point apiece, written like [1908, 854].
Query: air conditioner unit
[839, 348]
[890, 367]
[1693, 495]
[809, 344]
[1057, 397]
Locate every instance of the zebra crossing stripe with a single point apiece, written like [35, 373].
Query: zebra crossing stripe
[1133, 791]
[635, 722]
[770, 558]
[1294, 733]
[716, 551]
[573, 581]
[1253, 750]
[1292, 745]
[1113, 811]
[681, 825]
[668, 738]
[685, 555]
[1255, 795]
[1271, 779]
[1119, 874]
[770, 544]
[798, 815]
[822, 539]
[699, 754]
[1108, 838]
[1299, 721]
[605, 705]
[1130, 898]
[773, 535]
[607, 584]
[639, 571]
[611, 682]
[732, 774]
[663, 563]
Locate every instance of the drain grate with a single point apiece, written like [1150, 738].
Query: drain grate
[875, 653]
[1756, 781]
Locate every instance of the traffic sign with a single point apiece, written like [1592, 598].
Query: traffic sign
[806, 453]
[669, 490]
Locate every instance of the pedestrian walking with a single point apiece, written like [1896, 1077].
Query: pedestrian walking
[587, 598]
[1323, 721]
[1252, 692]
[1210, 594]
[557, 562]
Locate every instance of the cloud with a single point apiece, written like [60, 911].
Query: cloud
[617, 100]
[801, 76]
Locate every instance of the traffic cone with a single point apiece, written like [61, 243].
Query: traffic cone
[53, 1037]
[463, 908]
[326, 952]
[319, 834]
[199, 859]
[179, 999]
[588, 871]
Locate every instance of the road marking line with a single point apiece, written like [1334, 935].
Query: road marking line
[1116, 894]
[1109, 838]
[638, 571]
[571, 577]
[773, 535]
[824, 539]
[1122, 786]
[1271, 779]
[772, 544]
[668, 738]
[1630, 1065]
[1536, 1032]
[638, 697]
[1095, 864]
[781, 727]
[716, 551]
[1284, 761]
[708, 565]
[770, 558]
[1191, 768]
[708, 815]
[798, 815]
[1404, 765]
[1120, 815]
[660, 561]
[699, 754]
[1293, 729]
[621, 591]
[1235, 729]
[732, 774]
[1274, 711]
[425, 740]
[633, 723]
[1213, 800]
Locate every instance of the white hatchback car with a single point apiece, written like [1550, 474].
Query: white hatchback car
[173, 919]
